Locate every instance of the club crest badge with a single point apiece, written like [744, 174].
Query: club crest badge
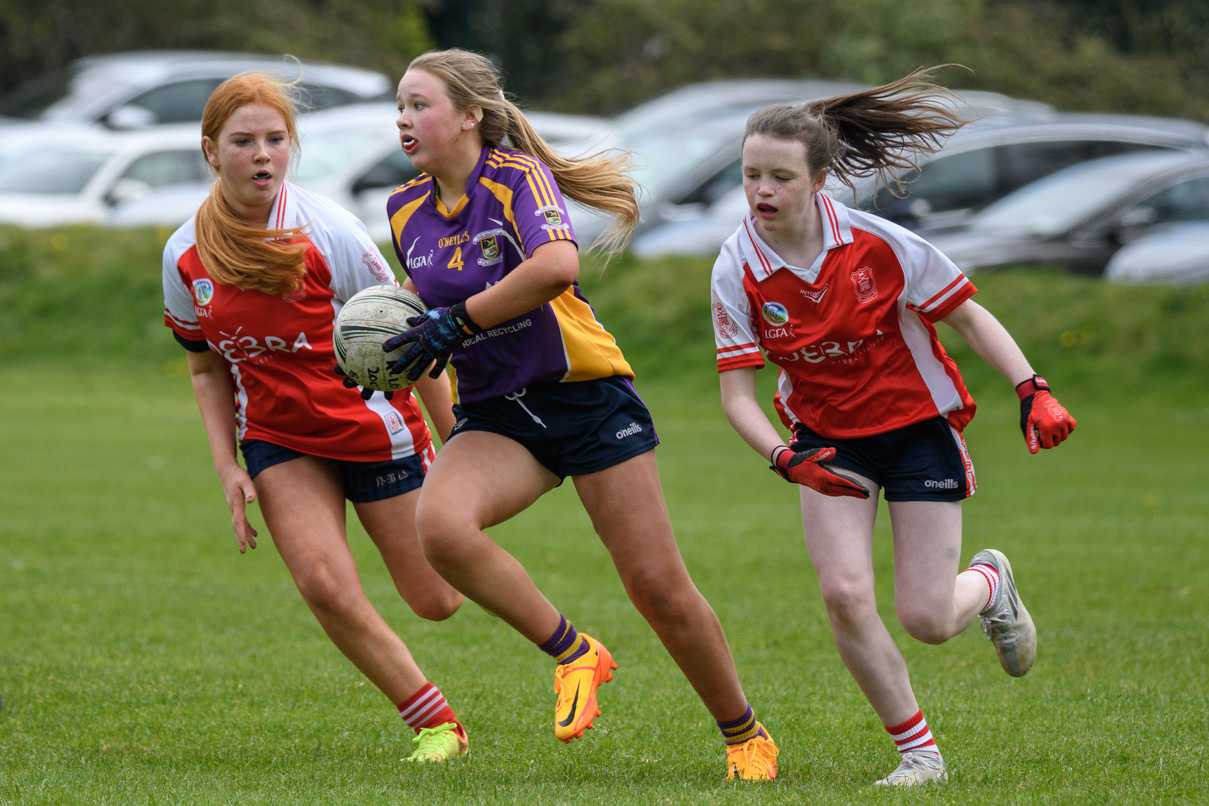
[490, 247]
[553, 216]
[727, 329]
[371, 261]
[865, 285]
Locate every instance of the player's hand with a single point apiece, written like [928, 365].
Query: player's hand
[237, 487]
[806, 468]
[349, 383]
[436, 334]
[1043, 420]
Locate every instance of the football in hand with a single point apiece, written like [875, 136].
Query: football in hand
[370, 317]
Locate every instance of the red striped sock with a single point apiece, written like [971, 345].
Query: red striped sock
[427, 709]
[988, 573]
[913, 735]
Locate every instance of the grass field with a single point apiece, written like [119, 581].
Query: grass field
[143, 660]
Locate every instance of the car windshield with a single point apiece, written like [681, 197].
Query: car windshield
[1057, 203]
[57, 172]
[324, 153]
[664, 157]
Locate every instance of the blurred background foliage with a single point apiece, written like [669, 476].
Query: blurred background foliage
[603, 56]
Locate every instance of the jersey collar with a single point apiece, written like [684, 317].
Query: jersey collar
[284, 212]
[471, 183]
[837, 231]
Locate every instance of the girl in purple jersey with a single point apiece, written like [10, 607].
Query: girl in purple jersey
[845, 304]
[263, 256]
[516, 441]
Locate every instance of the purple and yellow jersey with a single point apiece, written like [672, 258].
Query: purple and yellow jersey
[511, 207]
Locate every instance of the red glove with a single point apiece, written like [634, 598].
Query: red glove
[1042, 419]
[806, 467]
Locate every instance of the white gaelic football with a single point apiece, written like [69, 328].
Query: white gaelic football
[370, 317]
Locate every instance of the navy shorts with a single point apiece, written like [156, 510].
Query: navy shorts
[570, 428]
[927, 461]
[363, 481]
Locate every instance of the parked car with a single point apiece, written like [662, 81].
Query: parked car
[984, 162]
[1077, 219]
[140, 89]
[979, 164]
[1177, 256]
[684, 145]
[135, 89]
[352, 155]
[691, 162]
[158, 177]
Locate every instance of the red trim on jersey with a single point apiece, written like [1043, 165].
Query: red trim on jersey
[764, 261]
[946, 301]
[832, 218]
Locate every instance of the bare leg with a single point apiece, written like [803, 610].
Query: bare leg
[391, 524]
[934, 603]
[839, 537]
[478, 480]
[628, 511]
[303, 505]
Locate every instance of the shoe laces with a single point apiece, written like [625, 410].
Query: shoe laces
[998, 626]
[913, 761]
[434, 742]
[757, 748]
[563, 669]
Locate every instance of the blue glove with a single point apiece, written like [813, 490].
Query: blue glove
[434, 337]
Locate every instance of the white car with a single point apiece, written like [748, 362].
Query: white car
[1178, 256]
[136, 89]
[144, 89]
[352, 155]
[148, 178]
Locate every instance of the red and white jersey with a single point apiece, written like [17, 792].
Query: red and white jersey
[279, 347]
[853, 334]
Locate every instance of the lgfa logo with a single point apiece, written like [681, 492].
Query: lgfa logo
[774, 313]
[203, 291]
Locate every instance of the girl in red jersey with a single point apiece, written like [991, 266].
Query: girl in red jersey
[252, 286]
[543, 391]
[845, 303]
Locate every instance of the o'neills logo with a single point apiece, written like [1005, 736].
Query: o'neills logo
[454, 240]
[947, 484]
[629, 431]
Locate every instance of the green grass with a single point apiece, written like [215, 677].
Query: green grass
[143, 660]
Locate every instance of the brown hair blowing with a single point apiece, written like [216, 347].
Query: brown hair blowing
[599, 180]
[879, 131]
[234, 251]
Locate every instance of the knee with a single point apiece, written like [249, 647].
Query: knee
[662, 603]
[925, 624]
[436, 605]
[325, 590]
[849, 603]
[439, 531]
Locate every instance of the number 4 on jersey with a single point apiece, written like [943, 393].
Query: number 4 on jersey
[455, 262]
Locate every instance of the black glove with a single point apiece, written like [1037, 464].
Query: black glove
[349, 383]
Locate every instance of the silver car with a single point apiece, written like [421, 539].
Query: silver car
[979, 164]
